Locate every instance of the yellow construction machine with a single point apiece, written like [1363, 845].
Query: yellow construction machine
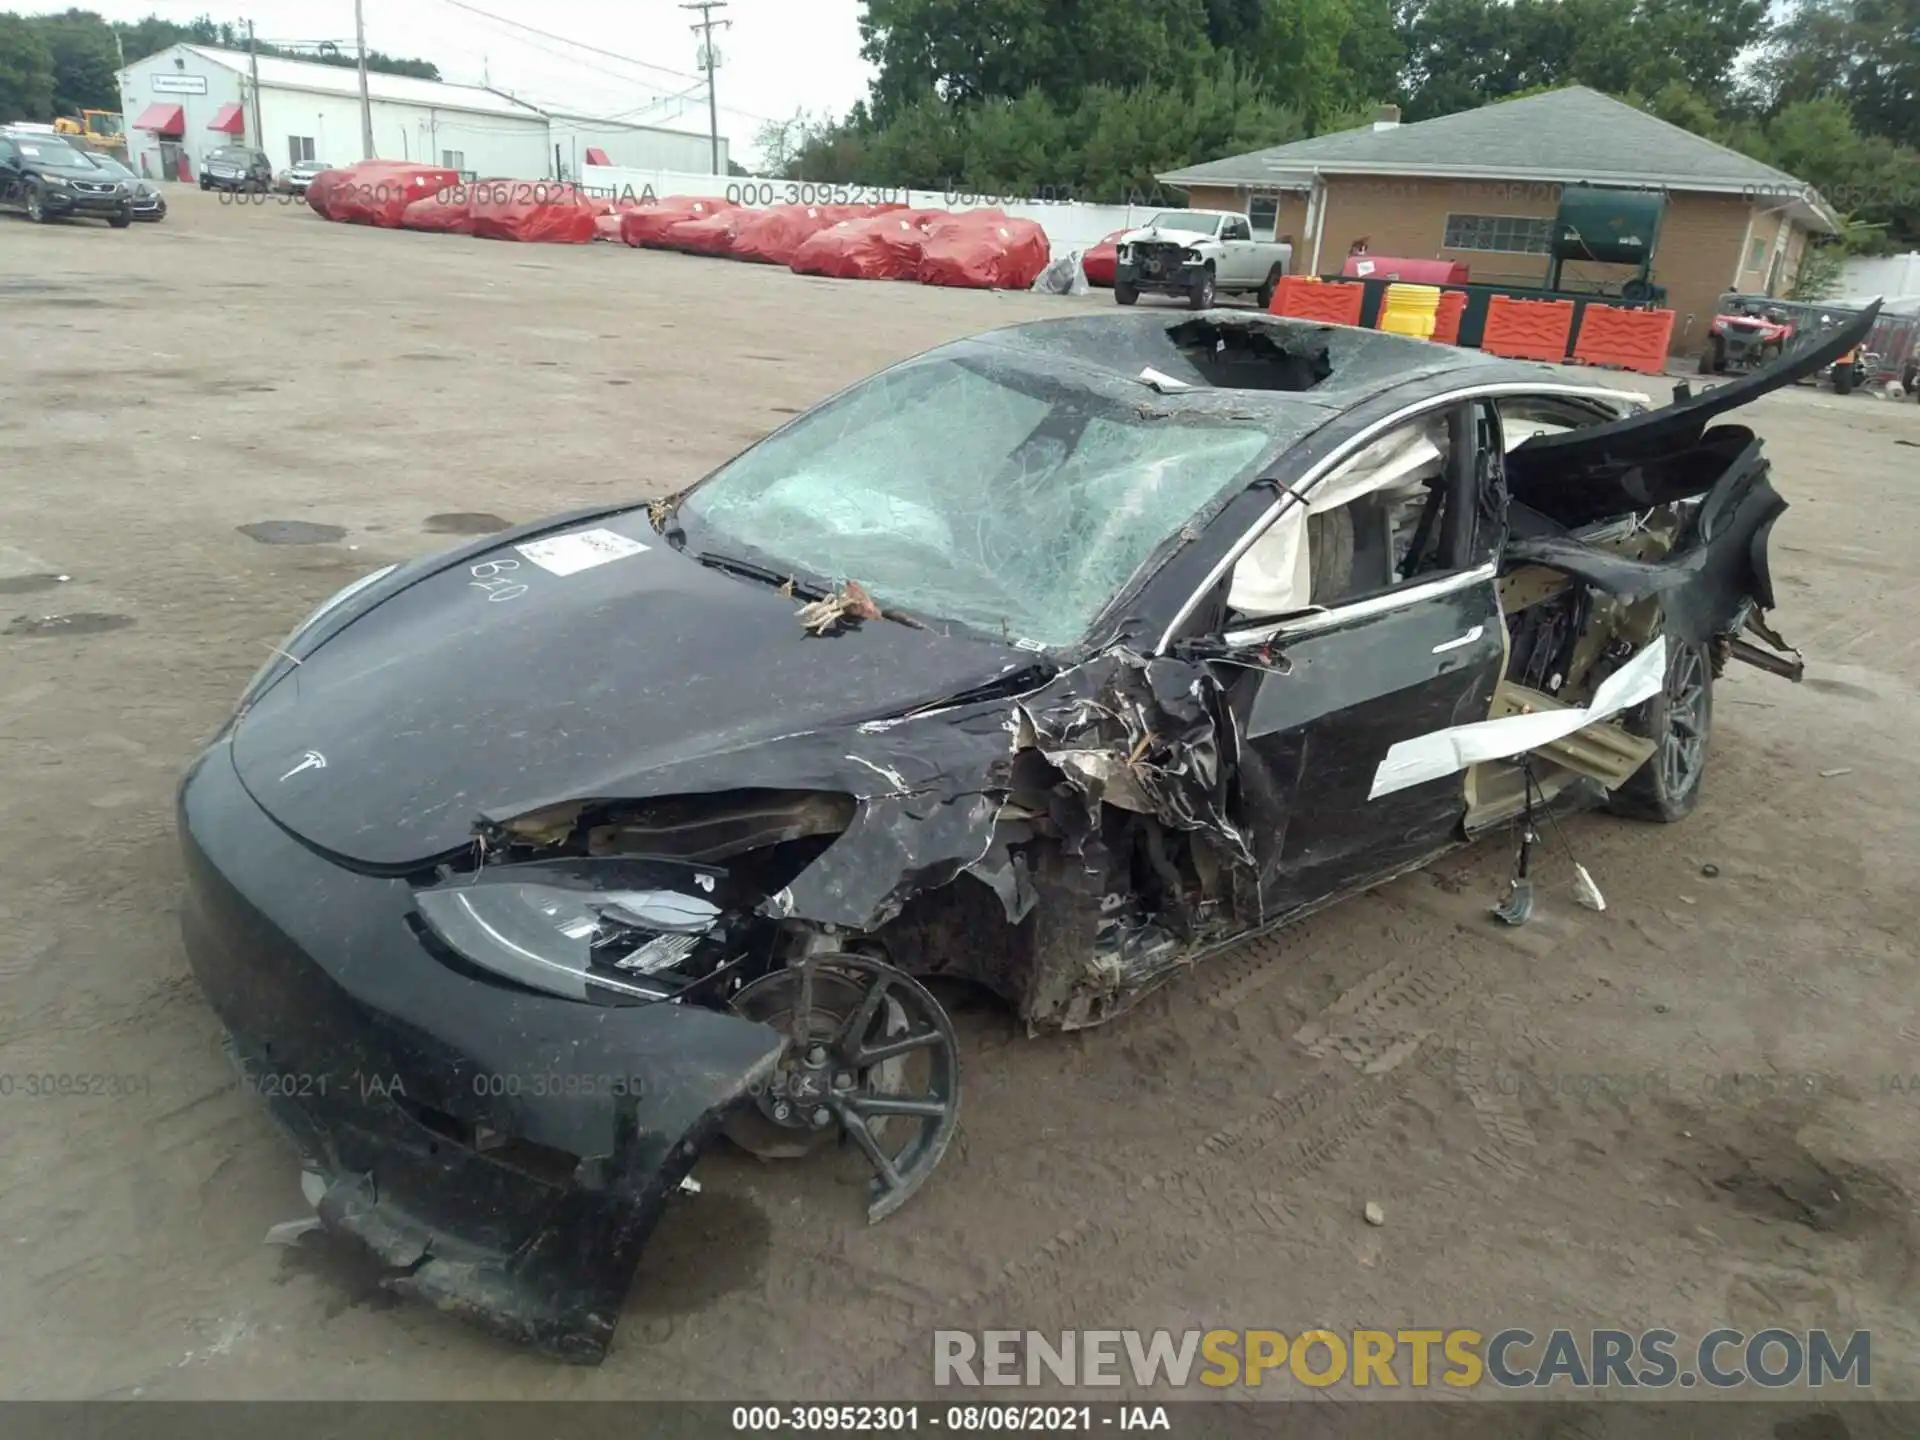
[101, 130]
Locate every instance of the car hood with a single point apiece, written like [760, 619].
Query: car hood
[81, 171]
[449, 696]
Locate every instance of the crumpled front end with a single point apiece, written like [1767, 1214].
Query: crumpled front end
[1157, 264]
[1071, 845]
[503, 1154]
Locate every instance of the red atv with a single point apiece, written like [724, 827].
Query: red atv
[1746, 334]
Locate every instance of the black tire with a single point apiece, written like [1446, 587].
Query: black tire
[1202, 295]
[1270, 288]
[1710, 360]
[36, 206]
[1679, 720]
[205, 184]
[1124, 294]
[1843, 380]
[119, 222]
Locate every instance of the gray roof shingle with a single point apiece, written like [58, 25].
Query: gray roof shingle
[1563, 136]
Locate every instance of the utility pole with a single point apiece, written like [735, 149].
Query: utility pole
[710, 62]
[366, 105]
[253, 64]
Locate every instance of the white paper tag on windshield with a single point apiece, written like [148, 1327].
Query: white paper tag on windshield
[582, 550]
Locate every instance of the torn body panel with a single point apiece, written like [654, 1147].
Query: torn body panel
[497, 1158]
[1718, 561]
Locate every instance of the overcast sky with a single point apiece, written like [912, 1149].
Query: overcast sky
[779, 55]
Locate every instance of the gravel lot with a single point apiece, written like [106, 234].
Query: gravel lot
[1204, 1162]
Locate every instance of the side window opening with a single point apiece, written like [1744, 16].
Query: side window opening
[1525, 416]
[1375, 523]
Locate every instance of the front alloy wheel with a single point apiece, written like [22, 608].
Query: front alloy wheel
[36, 207]
[1203, 291]
[870, 1056]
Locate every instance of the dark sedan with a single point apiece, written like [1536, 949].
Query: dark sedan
[1055, 659]
[50, 180]
[148, 201]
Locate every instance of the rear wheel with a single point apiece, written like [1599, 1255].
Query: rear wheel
[1124, 294]
[1679, 720]
[1270, 288]
[1843, 380]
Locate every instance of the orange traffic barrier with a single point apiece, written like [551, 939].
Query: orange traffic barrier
[1527, 329]
[1307, 297]
[1446, 321]
[1284, 291]
[1631, 339]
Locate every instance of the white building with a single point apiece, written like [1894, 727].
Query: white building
[186, 100]
[585, 141]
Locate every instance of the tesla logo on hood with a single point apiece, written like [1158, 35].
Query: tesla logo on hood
[313, 760]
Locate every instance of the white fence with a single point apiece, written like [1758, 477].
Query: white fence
[1070, 225]
[1894, 276]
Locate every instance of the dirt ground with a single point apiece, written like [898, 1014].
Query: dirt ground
[1695, 1109]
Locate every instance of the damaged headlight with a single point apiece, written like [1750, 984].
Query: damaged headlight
[579, 943]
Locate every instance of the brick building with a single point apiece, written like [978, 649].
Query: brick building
[1481, 187]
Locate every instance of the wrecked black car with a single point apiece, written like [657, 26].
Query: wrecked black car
[1053, 659]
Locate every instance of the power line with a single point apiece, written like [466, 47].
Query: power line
[577, 44]
[576, 62]
[699, 80]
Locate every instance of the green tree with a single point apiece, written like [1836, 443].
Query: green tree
[85, 61]
[1867, 52]
[142, 38]
[1463, 53]
[26, 71]
[962, 51]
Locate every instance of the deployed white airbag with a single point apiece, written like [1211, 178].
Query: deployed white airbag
[1274, 576]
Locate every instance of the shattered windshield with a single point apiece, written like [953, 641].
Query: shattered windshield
[977, 491]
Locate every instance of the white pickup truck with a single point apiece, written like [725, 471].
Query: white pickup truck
[1198, 254]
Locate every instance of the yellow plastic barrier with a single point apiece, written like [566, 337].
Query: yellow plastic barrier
[1410, 310]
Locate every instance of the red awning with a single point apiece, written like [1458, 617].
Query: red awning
[162, 119]
[597, 156]
[231, 119]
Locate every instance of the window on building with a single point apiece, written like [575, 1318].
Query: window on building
[453, 159]
[299, 147]
[1264, 211]
[1508, 234]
